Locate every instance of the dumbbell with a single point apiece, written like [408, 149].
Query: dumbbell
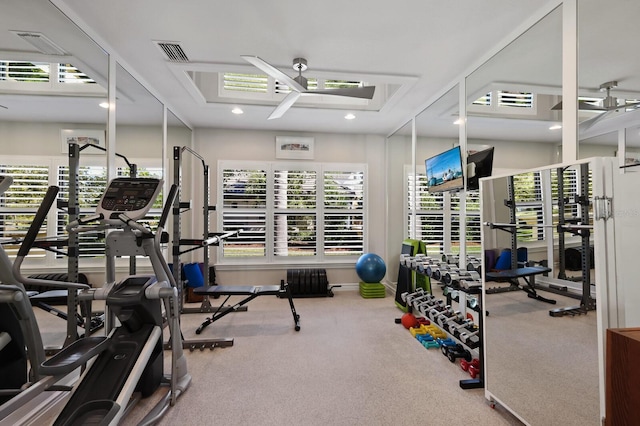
[428, 269]
[472, 303]
[453, 326]
[445, 317]
[434, 313]
[430, 344]
[427, 305]
[474, 265]
[435, 332]
[470, 338]
[409, 297]
[457, 351]
[440, 270]
[450, 275]
[419, 258]
[454, 276]
[445, 342]
[451, 259]
[425, 338]
[422, 266]
[472, 367]
[418, 330]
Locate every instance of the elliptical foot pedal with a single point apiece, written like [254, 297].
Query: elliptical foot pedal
[99, 412]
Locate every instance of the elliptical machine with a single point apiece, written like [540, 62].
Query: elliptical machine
[21, 347]
[129, 359]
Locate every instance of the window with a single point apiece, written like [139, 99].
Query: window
[42, 72]
[437, 218]
[20, 202]
[261, 87]
[288, 211]
[505, 102]
[18, 205]
[530, 195]
[92, 182]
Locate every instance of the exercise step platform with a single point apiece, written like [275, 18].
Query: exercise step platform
[249, 293]
[372, 290]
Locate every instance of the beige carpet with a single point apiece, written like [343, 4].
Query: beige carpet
[350, 364]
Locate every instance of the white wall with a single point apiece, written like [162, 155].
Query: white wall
[385, 160]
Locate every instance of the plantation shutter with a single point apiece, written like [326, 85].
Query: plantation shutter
[244, 204]
[343, 212]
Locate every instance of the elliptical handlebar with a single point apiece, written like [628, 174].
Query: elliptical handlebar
[168, 204]
[29, 240]
[38, 220]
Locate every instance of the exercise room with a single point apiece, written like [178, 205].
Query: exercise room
[319, 213]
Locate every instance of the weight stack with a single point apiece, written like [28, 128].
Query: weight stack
[308, 283]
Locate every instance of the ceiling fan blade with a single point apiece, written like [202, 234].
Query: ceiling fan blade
[623, 106]
[365, 92]
[587, 124]
[274, 72]
[291, 98]
[582, 106]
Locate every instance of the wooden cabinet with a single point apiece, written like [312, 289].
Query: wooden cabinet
[622, 397]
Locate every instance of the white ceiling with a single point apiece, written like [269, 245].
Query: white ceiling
[422, 44]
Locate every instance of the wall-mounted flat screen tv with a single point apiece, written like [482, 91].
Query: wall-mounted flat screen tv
[479, 165]
[444, 171]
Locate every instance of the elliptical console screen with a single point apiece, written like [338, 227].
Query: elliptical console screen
[135, 196]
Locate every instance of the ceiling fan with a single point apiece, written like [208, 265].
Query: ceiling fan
[298, 85]
[609, 105]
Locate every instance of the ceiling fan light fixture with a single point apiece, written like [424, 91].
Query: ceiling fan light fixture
[300, 64]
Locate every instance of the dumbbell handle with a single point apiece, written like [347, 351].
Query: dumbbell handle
[464, 336]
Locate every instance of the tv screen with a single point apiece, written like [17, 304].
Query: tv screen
[444, 171]
[479, 165]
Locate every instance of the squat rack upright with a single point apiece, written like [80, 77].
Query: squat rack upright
[72, 206]
[208, 239]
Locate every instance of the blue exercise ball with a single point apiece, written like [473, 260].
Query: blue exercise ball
[371, 268]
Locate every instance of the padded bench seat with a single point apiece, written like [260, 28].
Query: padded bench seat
[249, 293]
[238, 290]
[509, 274]
[528, 274]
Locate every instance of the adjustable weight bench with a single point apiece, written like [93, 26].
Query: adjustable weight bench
[251, 292]
[528, 274]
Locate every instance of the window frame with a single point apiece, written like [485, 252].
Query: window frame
[270, 211]
[448, 217]
[53, 164]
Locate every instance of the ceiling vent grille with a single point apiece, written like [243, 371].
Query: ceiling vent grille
[173, 51]
[41, 42]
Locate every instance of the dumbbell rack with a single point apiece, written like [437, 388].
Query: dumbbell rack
[452, 324]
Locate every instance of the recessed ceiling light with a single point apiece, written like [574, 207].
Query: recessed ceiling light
[349, 116]
[555, 127]
[104, 104]
[458, 121]
[237, 110]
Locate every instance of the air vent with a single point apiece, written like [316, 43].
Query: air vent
[41, 42]
[173, 51]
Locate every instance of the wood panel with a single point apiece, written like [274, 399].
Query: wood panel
[622, 376]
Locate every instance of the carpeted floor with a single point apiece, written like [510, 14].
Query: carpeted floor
[350, 364]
